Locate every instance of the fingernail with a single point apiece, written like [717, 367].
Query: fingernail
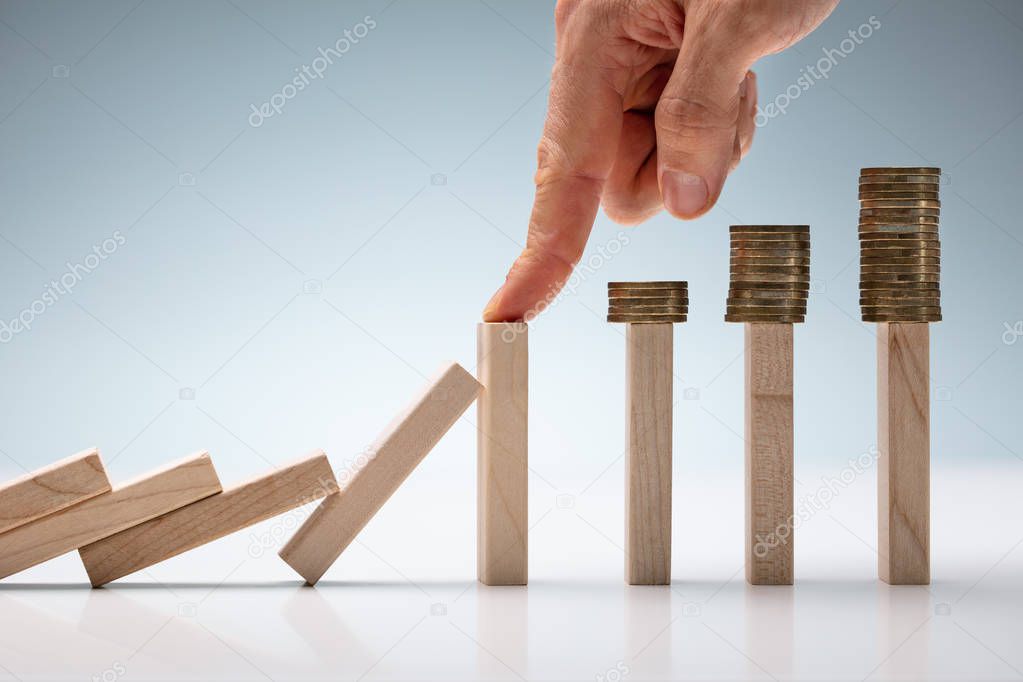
[488, 311]
[684, 194]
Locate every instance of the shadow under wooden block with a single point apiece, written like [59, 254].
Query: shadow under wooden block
[52, 488]
[99, 517]
[396, 453]
[209, 519]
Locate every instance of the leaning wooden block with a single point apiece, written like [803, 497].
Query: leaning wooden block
[104, 515]
[336, 522]
[209, 519]
[502, 351]
[50, 489]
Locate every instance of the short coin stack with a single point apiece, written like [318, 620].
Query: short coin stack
[647, 302]
[770, 273]
[900, 255]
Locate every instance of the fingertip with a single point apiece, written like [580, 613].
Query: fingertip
[685, 195]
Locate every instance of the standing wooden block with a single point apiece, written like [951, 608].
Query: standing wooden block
[104, 515]
[209, 519]
[648, 417]
[502, 355]
[48, 490]
[769, 487]
[904, 430]
[389, 461]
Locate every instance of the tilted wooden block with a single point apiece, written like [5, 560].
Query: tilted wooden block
[502, 352]
[125, 506]
[648, 444]
[336, 522]
[209, 519]
[50, 489]
[769, 461]
[904, 453]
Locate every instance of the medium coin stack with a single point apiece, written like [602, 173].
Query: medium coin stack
[647, 302]
[769, 272]
[900, 254]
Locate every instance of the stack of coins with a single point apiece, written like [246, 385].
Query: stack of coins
[770, 273]
[900, 255]
[647, 302]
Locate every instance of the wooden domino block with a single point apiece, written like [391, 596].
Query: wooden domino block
[904, 426]
[649, 375]
[209, 519]
[104, 515]
[502, 356]
[769, 477]
[398, 450]
[48, 490]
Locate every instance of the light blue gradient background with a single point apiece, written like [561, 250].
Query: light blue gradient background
[207, 292]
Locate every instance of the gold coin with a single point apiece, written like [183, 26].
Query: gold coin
[765, 310]
[761, 300]
[892, 212]
[648, 300]
[899, 170]
[899, 270]
[900, 196]
[648, 293]
[887, 303]
[744, 254]
[676, 285]
[898, 186]
[893, 277]
[767, 293]
[773, 269]
[866, 252]
[900, 203]
[757, 244]
[793, 261]
[906, 319]
[748, 317]
[911, 231]
[800, 229]
[767, 286]
[929, 239]
[867, 287]
[898, 179]
[925, 223]
[641, 318]
[647, 310]
[768, 278]
[900, 260]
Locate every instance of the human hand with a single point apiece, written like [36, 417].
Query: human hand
[651, 106]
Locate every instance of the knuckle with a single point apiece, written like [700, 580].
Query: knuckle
[679, 113]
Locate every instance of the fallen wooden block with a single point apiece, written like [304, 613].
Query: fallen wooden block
[125, 506]
[904, 452]
[502, 352]
[389, 461]
[209, 519]
[50, 489]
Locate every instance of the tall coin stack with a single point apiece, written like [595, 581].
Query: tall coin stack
[647, 302]
[770, 273]
[900, 254]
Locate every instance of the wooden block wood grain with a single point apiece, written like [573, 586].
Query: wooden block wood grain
[648, 425]
[904, 431]
[502, 356]
[389, 461]
[769, 436]
[125, 506]
[52, 488]
[237, 507]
